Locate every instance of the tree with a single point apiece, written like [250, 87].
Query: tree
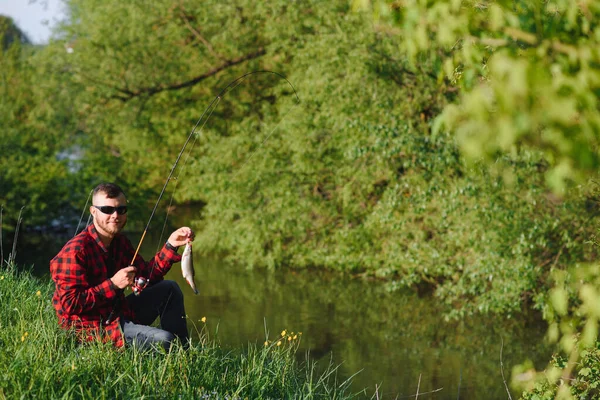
[528, 74]
[34, 174]
[11, 33]
[141, 75]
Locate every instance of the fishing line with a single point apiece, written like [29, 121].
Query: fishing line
[159, 243]
[232, 85]
[265, 140]
[83, 212]
[182, 169]
[267, 137]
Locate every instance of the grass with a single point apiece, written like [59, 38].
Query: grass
[38, 359]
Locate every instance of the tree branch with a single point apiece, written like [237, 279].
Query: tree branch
[150, 91]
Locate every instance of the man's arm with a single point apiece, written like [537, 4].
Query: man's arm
[158, 267]
[160, 264]
[75, 294]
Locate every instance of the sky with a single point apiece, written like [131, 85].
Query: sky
[34, 17]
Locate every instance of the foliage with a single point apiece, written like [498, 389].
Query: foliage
[583, 380]
[353, 178]
[11, 33]
[41, 360]
[528, 74]
[34, 174]
[573, 314]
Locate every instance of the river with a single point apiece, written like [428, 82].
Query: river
[395, 342]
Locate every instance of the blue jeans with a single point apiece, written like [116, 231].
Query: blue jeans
[165, 300]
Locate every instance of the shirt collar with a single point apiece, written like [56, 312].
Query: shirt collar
[94, 234]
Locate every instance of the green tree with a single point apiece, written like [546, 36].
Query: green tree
[34, 174]
[527, 72]
[141, 74]
[11, 33]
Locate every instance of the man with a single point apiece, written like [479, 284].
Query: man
[93, 269]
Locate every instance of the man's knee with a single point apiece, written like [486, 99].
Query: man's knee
[174, 290]
[144, 337]
[165, 338]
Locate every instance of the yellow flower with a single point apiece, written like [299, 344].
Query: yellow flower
[38, 293]
[26, 334]
[279, 343]
[23, 338]
[283, 332]
[266, 342]
[295, 337]
[2, 278]
[289, 338]
[203, 319]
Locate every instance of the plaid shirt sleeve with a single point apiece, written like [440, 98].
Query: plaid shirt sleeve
[156, 268]
[71, 274]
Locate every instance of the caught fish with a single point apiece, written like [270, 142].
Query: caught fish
[187, 267]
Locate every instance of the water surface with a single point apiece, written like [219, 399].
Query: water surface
[392, 339]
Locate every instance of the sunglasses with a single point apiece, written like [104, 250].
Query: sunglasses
[110, 209]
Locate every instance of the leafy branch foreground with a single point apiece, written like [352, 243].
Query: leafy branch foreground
[40, 360]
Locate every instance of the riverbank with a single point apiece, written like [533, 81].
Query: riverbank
[41, 360]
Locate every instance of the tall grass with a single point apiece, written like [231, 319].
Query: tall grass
[38, 359]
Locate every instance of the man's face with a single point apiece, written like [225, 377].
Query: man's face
[108, 224]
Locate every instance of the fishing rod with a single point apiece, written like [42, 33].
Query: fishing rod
[141, 282]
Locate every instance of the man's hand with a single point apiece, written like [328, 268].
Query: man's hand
[124, 277]
[181, 236]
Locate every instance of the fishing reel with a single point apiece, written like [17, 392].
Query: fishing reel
[139, 284]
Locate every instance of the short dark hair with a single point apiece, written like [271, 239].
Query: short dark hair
[112, 190]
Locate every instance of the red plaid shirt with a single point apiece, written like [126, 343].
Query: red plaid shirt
[85, 297]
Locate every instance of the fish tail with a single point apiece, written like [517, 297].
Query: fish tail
[192, 285]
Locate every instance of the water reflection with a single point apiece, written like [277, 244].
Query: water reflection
[393, 339]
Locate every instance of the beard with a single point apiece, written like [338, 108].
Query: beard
[111, 228]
